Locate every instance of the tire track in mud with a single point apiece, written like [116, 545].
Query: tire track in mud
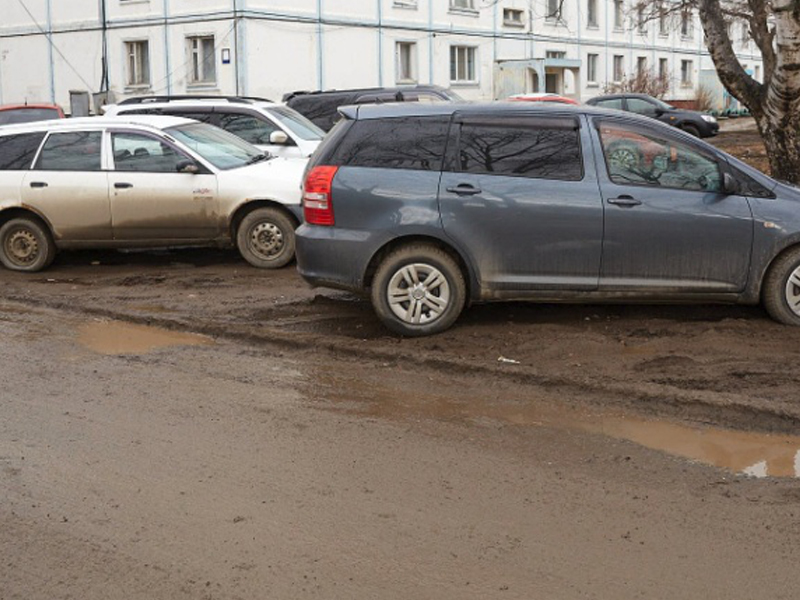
[665, 397]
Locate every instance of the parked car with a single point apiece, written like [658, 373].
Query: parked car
[542, 97]
[322, 106]
[429, 208]
[272, 127]
[11, 114]
[697, 123]
[142, 182]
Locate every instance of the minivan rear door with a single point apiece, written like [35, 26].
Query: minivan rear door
[520, 198]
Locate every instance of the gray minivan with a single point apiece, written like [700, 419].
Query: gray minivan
[429, 208]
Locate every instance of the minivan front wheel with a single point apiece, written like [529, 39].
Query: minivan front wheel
[781, 293]
[265, 238]
[418, 290]
[25, 245]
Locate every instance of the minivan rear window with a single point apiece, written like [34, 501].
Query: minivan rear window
[511, 149]
[396, 143]
[18, 151]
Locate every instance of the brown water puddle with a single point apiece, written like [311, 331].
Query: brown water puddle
[116, 337]
[754, 454]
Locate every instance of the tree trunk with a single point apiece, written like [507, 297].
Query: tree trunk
[781, 137]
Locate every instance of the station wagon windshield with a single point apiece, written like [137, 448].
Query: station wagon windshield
[222, 149]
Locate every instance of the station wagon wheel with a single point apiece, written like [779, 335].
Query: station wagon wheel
[265, 238]
[781, 289]
[25, 245]
[418, 290]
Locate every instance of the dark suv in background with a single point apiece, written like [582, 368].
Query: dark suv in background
[697, 123]
[428, 208]
[321, 107]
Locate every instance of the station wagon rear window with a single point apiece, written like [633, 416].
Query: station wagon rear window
[18, 151]
[401, 143]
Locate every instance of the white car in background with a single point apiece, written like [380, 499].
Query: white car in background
[270, 126]
[142, 181]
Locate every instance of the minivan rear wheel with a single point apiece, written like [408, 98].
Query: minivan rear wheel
[265, 238]
[25, 245]
[781, 291]
[418, 290]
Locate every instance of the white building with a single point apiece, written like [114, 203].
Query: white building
[482, 48]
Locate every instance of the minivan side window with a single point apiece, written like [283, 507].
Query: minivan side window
[249, 128]
[398, 143]
[18, 151]
[536, 149]
[638, 156]
[71, 151]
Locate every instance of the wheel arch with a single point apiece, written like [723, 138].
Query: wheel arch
[15, 212]
[395, 243]
[759, 283]
[245, 209]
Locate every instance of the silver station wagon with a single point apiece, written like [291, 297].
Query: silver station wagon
[142, 181]
[429, 208]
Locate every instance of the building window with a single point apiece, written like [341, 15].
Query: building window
[641, 20]
[202, 63]
[687, 31]
[745, 34]
[591, 68]
[663, 68]
[555, 54]
[619, 68]
[406, 53]
[462, 64]
[138, 62]
[553, 10]
[619, 14]
[757, 75]
[463, 4]
[591, 13]
[405, 3]
[641, 65]
[662, 20]
[512, 17]
[687, 66]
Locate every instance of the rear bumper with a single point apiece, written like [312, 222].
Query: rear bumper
[334, 257]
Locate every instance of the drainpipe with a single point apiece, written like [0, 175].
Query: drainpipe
[431, 42]
[167, 62]
[320, 62]
[49, 36]
[240, 48]
[104, 66]
[380, 42]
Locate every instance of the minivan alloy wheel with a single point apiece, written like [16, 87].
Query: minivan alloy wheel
[418, 293]
[781, 288]
[792, 291]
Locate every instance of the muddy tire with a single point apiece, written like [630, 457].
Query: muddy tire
[418, 290]
[781, 290]
[265, 238]
[26, 245]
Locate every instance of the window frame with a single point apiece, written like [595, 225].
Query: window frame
[471, 63]
[413, 62]
[197, 60]
[137, 66]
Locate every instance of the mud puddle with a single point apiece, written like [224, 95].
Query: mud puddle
[117, 337]
[749, 453]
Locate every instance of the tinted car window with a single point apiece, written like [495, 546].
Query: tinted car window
[538, 150]
[642, 107]
[247, 127]
[18, 151]
[639, 156]
[27, 115]
[402, 143]
[321, 110]
[73, 151]
[615, 103]
[136, 152]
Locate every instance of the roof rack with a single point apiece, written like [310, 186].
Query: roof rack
[231, 99]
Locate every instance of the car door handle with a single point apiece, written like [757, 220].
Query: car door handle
[624, 201]
[464, 189]
[38, 184]
[122, 185]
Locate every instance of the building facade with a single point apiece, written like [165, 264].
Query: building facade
[51, 50]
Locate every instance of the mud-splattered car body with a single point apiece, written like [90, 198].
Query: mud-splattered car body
[534, 202]
[140, 182]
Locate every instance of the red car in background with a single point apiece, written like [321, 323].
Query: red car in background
[28, 113]
[542, 97]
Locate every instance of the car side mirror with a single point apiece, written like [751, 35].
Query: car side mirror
[187, 166]
[659, 112]
[730, 185]
[279, 138]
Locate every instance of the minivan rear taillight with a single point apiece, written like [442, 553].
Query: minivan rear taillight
[317, 205]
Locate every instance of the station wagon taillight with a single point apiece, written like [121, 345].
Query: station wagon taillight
[317, 205]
